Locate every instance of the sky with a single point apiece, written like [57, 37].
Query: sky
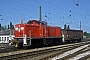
[55, 12]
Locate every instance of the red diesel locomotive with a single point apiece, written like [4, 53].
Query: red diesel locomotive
[36, 33]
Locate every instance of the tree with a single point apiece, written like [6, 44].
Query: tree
[0, 27]
[5, 27]
[86, 34]
[8, 26]
[11, 26]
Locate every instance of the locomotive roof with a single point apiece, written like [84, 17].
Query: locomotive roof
[72, 29]
[43, 22]
[35, 21]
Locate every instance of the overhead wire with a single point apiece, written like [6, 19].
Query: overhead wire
[84, 10]
[69, 15]
[77, 4]
[57, 13]
[35, 10]
[24, 10]
[60, 7]
[55, 5]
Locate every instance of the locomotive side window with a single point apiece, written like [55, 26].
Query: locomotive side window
[38, 23]
[35, 22]
[29, 22]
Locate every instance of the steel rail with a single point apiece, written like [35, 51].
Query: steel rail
[34, 53]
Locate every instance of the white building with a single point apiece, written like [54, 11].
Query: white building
[6, 35]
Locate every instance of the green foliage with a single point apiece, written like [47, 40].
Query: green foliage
[86, 34]
[9, 26]
[0, 27]
[5, 27]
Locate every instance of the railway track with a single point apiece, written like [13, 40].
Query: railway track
[40, 53]
[74, 54]
[82, 55]
[4, 48]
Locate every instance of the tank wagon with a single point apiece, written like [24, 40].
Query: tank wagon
[36, 33]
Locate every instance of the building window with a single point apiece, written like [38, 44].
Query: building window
[7, 38]
[2, 38]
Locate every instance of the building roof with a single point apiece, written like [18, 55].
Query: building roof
[7, 32]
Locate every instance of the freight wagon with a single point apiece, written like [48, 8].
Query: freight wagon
[71, 35]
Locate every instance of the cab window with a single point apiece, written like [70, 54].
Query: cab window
[29, 22]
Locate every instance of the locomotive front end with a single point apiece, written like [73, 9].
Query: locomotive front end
[20, 38]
